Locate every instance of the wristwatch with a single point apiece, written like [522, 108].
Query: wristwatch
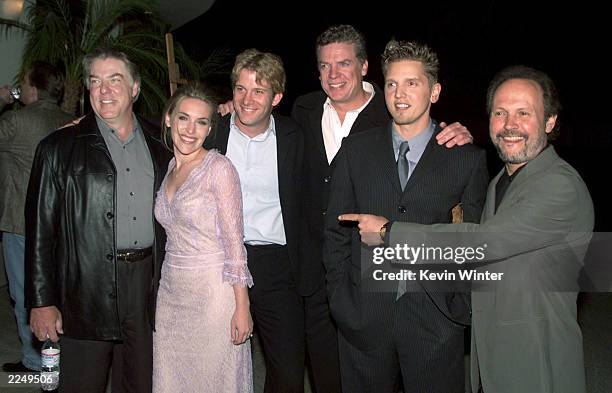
[384, 230]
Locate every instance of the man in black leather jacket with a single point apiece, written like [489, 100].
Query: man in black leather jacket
[93, 248]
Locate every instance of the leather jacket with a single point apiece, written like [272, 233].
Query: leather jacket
[70, 259]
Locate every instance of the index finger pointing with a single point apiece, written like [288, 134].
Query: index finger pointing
[349, 217]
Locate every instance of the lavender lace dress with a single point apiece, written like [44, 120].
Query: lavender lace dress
[192, 348]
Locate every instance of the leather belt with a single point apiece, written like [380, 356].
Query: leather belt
[134, 255]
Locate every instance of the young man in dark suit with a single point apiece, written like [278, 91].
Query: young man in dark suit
[346, 105]
[267, 151]
[400, 171]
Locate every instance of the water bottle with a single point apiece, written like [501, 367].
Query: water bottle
[50, 371]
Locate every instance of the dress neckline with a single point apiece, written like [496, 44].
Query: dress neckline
[189, 178]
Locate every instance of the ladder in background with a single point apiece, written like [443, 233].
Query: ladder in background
[174, 74]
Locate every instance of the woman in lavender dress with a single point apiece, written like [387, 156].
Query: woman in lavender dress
[203, 321]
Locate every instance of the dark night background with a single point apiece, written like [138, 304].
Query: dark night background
[473, 39]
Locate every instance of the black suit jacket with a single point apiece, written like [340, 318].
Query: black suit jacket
[307, 112]
[290, 151]
[365, 180]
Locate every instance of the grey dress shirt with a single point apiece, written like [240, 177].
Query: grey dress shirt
[133, 188]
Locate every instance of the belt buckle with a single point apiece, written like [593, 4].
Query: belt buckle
[134, 256]
[127, 256]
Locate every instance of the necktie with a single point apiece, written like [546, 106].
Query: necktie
[403, 168]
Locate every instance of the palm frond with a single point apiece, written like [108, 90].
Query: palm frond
[218, 61]
[153, 66]
[106, 15]
[50, 37]
[190, 69]
[62, 31]
[152, 98]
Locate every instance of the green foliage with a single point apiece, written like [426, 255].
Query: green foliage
[62, 31]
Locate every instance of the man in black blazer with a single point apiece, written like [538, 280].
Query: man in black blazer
[267, 152]
[346, 105]
[421, 333]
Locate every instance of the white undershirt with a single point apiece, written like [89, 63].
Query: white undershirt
[334, 130]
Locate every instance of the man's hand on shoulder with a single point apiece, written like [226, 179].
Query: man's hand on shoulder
[454, 134]
[226, 108]
[72, 123]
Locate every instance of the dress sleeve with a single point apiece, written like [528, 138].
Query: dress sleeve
[230, 228]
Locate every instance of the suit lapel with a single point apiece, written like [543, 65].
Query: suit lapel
[284, 138]
[432, 157]
[361, 122]
[371, 115]
[540, 163]
[489, 208]
[385, 156]
[88, 128]
[537, 165]
[315, 127]
[219, 142]
[285, 161]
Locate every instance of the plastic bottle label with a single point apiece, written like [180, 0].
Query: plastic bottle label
[50, 357]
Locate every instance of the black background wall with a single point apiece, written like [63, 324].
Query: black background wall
[474, 39]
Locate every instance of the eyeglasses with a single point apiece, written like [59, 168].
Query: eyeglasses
[16, 92]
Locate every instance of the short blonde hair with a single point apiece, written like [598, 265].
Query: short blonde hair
[415, 51]
[267, 67]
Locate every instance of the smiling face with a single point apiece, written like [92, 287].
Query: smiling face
[112, 91]
[253, 102]
[517, 125]
[190, 124]
[341, 73]
[408, 95]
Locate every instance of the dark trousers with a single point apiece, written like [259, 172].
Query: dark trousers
[85, 364]
[422, 344]
[322, 343]
[278, 312]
